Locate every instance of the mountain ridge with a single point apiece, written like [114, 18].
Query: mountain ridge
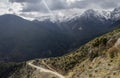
[106, 14]
[90, 60]
[23, 39]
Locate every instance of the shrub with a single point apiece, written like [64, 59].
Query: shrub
[99, 41]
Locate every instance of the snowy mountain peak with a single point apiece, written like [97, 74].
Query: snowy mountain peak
[102, 14]
[115, 14]
[89, 11]
[62, 15]
[116, 10]
[72, 14]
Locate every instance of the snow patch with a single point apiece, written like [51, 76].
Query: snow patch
[80, 28]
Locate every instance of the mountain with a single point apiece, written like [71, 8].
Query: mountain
[115, 14]
[97, 58]
[61, 16]
[72, 14]
[21, 39]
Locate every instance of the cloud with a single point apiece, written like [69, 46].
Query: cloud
[3, 7]
[41, 7]
[94, 4]
[22, 1]
[38, 5]
[105, 4]
[37, 8]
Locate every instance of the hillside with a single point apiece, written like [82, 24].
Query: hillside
[99, 58]
[22, 39]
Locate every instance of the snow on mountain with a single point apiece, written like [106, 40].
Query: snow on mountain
[62, 15]
[102, 14]
[105, 14]
[67, 15]
[116, 14]
[72, 14]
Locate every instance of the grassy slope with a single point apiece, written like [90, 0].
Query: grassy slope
[97, 50]
[6, 69]
[98, 58]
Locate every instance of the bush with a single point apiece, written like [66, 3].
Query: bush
[99, 41]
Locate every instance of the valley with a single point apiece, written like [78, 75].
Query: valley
[98, 58]
[65, 43]
[24, 40]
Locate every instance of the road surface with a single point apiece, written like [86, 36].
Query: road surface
[45, 70]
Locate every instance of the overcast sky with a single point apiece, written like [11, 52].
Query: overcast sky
[46, 6]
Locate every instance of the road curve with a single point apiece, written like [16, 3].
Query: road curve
[45, 70]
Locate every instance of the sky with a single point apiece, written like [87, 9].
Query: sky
[34, 7]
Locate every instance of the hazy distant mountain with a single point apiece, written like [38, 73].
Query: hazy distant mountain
[21, 39]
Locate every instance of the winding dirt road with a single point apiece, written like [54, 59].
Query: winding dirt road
[45, 70]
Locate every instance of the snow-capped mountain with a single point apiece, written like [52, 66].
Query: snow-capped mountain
[115, 14]
[61, 15]
[102, 14]
[54, 34]
[77, 20]
[72, 14]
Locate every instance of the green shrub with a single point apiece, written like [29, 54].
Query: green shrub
[99, 41]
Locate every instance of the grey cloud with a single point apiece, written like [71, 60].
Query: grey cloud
[110, 4]
[39, 6]
[56, 4]
[28, 1]
[35, 5]
[105, 4]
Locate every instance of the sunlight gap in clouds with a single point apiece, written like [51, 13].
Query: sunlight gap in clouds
[49, 10]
